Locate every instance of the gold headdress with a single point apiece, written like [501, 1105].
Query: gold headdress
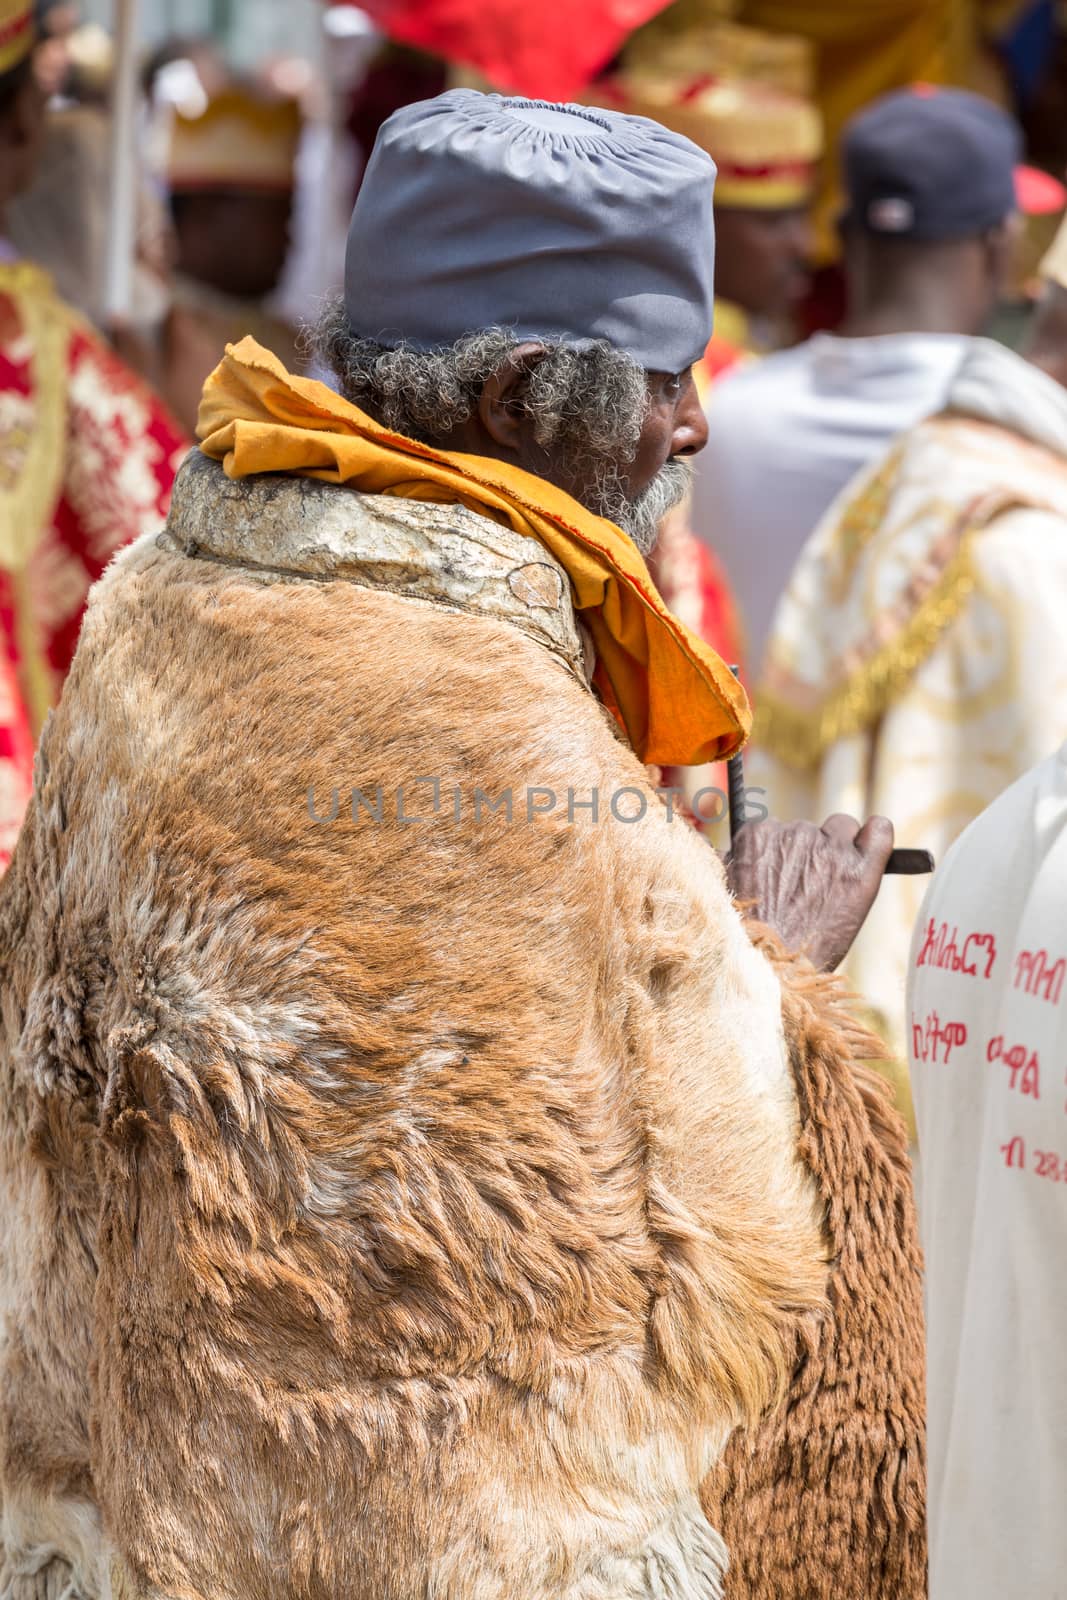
[743, 95]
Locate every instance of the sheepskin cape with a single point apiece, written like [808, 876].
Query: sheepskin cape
[400, 1156]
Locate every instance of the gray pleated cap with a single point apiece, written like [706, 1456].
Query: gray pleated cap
[560, 222]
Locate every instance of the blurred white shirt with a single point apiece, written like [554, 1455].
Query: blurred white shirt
[786, 435]
[988, 1056]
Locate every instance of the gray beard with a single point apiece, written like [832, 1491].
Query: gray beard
[641, 516]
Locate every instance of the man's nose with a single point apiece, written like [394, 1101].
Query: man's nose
[690, 423]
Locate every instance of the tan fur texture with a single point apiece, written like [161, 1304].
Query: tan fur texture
[392, 1212]
[826, 1500]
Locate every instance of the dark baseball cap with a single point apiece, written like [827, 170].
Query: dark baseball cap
[936, 164]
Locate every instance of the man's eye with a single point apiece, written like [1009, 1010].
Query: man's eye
[673, 386]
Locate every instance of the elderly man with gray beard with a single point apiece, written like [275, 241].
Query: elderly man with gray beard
[410, 1194]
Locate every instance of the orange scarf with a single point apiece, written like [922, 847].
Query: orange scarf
[677, 702]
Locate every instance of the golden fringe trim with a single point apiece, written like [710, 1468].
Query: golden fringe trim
[798, 737]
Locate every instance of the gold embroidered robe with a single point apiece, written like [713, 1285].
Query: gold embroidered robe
[918, 660]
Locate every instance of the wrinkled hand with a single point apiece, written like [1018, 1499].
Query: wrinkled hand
[814, 886]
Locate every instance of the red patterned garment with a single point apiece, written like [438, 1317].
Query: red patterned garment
[87, 459]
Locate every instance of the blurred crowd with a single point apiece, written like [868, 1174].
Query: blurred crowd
[873, 532]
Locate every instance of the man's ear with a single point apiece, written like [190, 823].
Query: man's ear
[500, 404]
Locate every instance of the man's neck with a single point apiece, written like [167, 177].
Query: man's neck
[919, 312]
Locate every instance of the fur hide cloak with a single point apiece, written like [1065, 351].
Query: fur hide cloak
[826, 1499]
[395, 1208]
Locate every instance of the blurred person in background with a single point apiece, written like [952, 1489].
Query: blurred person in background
[766, 145]
[60, 220]
[918, 661]
[87, 453]
[230, 177]
[929, 232]
[184, 73]
[865, 49]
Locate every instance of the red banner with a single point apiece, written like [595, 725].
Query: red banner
[547, 49]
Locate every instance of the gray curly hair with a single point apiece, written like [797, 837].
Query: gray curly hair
[587, 406]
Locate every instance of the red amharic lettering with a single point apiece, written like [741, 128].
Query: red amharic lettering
[933, 1036]
[1025, 1070]
[1047, 1164]
[1035, 976]
[941, 948]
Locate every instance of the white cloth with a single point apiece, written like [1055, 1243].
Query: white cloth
[786, 435]
[988, 1020]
